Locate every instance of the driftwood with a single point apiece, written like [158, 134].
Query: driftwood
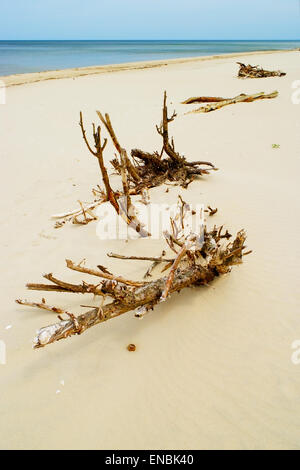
[121, 202]
[198, 259]
[250, 71]
[139, 172]
[218, 103]
[203, 99]
[155, 170]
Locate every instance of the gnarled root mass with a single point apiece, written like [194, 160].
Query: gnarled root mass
[139, 172]
[198, 259]
[250, 71]
[156, 168]
[217, 102]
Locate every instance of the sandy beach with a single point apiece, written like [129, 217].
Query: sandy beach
[212, 368]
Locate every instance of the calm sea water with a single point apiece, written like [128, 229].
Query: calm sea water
[36, 56]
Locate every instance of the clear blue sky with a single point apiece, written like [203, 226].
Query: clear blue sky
[149, 19]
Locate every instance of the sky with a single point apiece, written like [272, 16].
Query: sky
[149, 19]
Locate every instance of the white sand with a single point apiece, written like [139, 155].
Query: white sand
[213, 366]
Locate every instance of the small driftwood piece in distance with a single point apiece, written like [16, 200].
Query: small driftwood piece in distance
[250, 71]
[221, 102]
[198, 259]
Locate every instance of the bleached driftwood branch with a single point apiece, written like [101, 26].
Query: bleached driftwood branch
[200, 258]
[126, 211]
[218, 103]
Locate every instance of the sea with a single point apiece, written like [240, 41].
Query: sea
[35, 56]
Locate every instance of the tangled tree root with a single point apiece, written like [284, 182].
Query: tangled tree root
[197, 259]
[250, 71]
[139, 173]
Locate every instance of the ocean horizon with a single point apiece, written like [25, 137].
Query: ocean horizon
[27, 56]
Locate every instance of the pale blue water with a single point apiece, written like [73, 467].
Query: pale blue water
[37, 56]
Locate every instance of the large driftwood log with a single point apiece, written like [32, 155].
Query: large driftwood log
[198, 259]
[218, 103]
[250, 71]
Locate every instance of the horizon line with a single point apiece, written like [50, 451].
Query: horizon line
[145, 39]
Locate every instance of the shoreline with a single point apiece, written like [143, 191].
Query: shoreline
[33, 77]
